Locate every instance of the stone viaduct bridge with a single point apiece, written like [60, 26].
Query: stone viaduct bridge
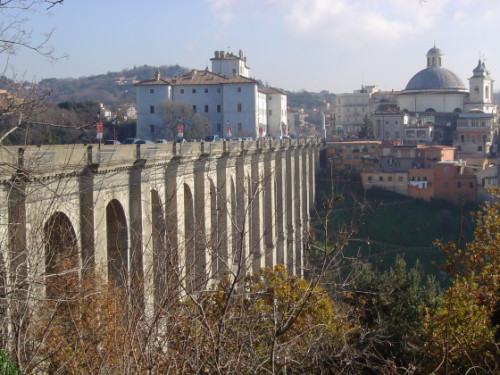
[143, 216]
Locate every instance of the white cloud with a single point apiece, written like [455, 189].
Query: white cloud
[222, 9]
[358, 23]
[361, 22]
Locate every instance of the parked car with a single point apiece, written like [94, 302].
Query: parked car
[112, 142]
[143, 142]
[161, 141]
[130, 141]
[212, 138]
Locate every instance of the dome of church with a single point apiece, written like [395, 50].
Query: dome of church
[435, 78]
[434, 51]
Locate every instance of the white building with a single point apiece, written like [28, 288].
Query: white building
[351, 109]
[234, 103]
[276, 105]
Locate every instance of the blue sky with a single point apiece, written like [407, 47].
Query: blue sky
[334, 45]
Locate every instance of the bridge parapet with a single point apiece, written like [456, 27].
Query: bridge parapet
[48, 159]
[8, 162]
[53, 160]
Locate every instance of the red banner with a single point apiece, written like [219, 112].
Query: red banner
[99, 127]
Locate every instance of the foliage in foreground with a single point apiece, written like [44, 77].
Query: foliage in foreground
[271, 322]
[463, 331]
[389, 307]
[6, 365]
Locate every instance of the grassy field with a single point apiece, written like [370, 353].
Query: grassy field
[387, 224]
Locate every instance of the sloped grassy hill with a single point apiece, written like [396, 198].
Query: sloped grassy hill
[387, 224]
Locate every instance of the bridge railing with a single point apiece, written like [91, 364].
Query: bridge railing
[66, 159]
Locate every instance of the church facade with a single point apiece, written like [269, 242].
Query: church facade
[436, 107]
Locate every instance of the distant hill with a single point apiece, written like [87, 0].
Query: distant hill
[116, 87]
[110, 88]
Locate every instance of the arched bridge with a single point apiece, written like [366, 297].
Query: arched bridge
[149, 216]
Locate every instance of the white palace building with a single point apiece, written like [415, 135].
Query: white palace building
[235, 105]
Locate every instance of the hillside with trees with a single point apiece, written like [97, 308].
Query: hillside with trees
[110, 88]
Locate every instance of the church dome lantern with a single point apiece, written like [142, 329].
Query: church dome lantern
[435, 77]
[434, 57]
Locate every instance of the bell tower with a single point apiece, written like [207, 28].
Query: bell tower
[481, 85]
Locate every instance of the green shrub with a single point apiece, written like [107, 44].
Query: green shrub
[7, 367]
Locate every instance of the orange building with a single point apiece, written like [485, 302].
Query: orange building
[398, 157]
[357, 155]
[392, 181]
[430, 155]
[455, 182]
[421, 183]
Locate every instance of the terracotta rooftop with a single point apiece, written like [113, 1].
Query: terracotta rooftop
[197, 77]
[151, 82]
[271, 90]
[434, 146]
[355, 142]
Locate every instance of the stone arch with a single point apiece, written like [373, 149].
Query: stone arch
[189, 238]
[61, 255]
[160, 252]
[117, 244]
[214, 228]
[235, 235]
[249, 208]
